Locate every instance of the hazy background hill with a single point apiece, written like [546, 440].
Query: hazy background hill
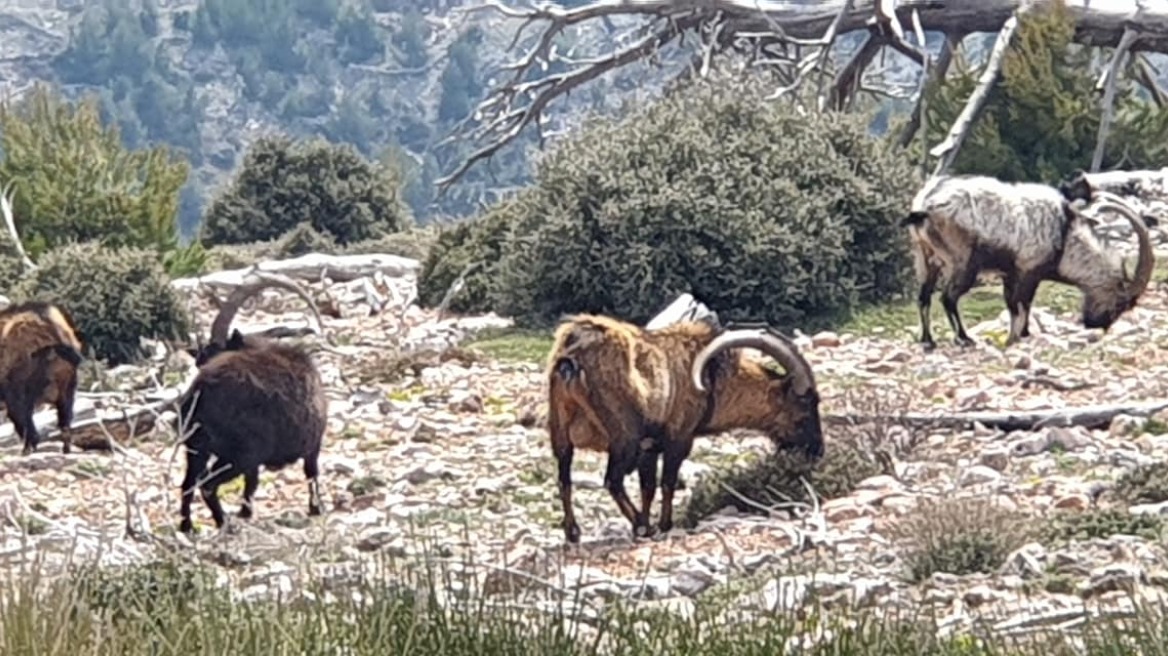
[208, 76]
[389, 76]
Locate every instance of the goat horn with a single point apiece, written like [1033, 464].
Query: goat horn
[1147, 262]
[252, 284]
[766, 340]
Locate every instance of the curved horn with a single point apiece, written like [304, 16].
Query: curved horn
[252, 284]
[1147, 261]
[778, 347]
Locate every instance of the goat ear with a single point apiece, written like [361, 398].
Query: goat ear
[236, 340]
[193, 352]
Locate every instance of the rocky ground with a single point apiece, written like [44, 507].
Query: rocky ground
[440, 453]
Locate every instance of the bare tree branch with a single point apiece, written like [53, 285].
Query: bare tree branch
[1146, 77]
[1111, 75]
[947, 150]
[937, 72]
[513, 103]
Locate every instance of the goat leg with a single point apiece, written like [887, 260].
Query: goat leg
[20, 412]
[251, 482]
[210, 492]
[196, 464]
[622, 459]
[563, 451]
[312, 473]
[65, 413]
[925, 306]
[960, 282]
[1020, 303]
[675, 452]
[647, 475]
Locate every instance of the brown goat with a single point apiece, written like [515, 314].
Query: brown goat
[254, 402]
[636, 394]
[39, 355]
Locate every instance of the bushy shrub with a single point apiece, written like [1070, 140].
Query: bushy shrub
[478, 242]
[761, 213]
[284, 183]
[115, 295]
[960, 536]
[1143, 484]
[414, 243]
[778, 479]
[1066, 526]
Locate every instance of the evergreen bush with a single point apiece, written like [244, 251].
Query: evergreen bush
[758, 211]
[115, 296]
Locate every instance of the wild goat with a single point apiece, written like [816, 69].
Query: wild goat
[963, 225]
[39, 355]
[253, 402]
[636, 394]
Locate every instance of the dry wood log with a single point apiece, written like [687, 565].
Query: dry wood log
[311, 267]
[1092, 417]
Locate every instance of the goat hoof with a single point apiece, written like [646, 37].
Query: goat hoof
[245, 512]
[929, 347]
[572, 534]
[643, 531]
[664, 527]
[963, 342]
[27, 450]
[185, 526]
[314, 511]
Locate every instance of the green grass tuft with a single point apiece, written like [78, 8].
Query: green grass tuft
[514, 345]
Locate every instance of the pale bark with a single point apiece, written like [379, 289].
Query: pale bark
[946, 152]
[1110, 77]
[10, 224]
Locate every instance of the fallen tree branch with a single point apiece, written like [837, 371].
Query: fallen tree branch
[947, 150]
[310, 267]
[1111, 75]
[10, 224]
[1092, 417]
[1146, 77]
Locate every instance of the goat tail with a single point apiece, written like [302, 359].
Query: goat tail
[63, 351]
[914, 218]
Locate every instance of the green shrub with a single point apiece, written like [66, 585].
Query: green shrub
[115, 295]
[477, 242]
[759, 212]
[284, 183]
[778, 479]
[1041, 120]
[414, 243]
[1143, 484]
[959, 536]
[1101, 523]
[303, 239]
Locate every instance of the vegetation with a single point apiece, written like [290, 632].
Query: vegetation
[75, 180]
[1041, 119]
[759, 212]
[116, 296]
[169, 608]
[285, 183]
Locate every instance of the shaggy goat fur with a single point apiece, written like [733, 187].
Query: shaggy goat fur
[1028, 232]
[636, 394]
[253, 403]
[39, 355]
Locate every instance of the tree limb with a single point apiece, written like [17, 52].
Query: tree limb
[937, 72]
[518, 100]
[1111, 75]
[10, 223]
[947, 150]
[1146, 77]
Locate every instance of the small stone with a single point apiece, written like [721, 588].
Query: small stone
[996, 458]
[1073, 502]
[978, 475]
[825, 339]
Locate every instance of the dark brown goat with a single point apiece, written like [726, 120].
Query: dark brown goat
[39, 355]
[636, 394]
[254, 402]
